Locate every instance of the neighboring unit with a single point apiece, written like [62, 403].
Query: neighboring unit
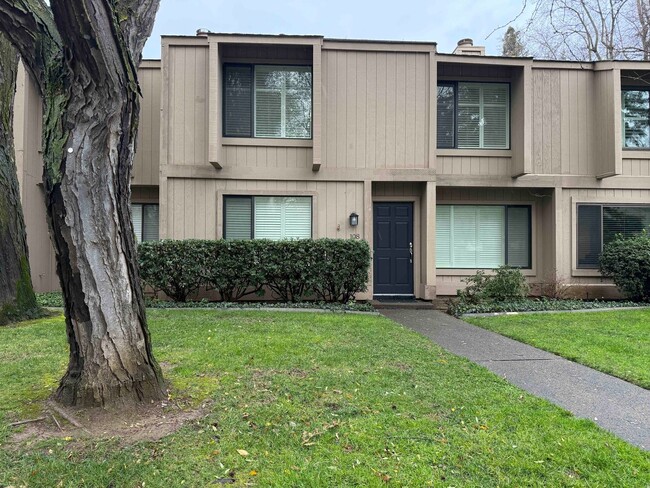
[444, 163]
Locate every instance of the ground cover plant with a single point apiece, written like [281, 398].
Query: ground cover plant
[615, 342]
[304, 399]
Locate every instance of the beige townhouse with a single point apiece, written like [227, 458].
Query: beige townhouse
[444, 163]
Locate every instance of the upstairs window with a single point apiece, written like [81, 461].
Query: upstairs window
[636, 118]
[267, 101]
[267, 217]
[600, 224]
[145, 221]
[474, 115]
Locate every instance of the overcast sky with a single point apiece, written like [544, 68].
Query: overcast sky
[444, 22]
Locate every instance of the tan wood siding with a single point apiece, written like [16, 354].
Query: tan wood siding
[194, 210]
[474, 165]
[267, 157]
[562, 122]
[187, 116]
[147, 156]
[375, 109]
[636, 166]
[607, 123]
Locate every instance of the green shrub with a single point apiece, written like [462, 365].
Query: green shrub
[627, 262]
[233, 268]
[333, 270]
[339, 268]
[175, 267]
[505, 285]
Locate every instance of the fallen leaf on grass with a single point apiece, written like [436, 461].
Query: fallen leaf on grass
[242, 452]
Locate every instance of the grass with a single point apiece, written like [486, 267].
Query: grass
[617, 343]
[315, 400]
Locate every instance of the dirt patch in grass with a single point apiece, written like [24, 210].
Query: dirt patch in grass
[147, 422]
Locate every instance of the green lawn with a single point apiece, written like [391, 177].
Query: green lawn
[615, 342]
[316, 400]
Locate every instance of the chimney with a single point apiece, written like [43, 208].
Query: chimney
[466, 47]
[202, 32]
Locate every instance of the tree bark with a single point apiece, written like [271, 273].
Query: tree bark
[89, 84]
[17, 299]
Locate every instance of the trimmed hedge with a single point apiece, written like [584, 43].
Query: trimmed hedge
[627, 262]
[332, 270]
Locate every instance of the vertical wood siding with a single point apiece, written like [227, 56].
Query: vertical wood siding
[267, 157]
[563, 120]
[193, 205]
[147, 156]
[474, 165]
[636, 167]
[187, 130]
[375, 109]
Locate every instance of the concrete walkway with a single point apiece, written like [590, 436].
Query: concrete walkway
[614, 404]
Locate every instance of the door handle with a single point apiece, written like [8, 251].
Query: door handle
[411, 252]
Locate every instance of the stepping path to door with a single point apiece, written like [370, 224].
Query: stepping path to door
[614, 404]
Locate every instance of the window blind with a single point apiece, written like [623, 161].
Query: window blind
[519, 237]
[150, 222]
[589, 243]
[636, 118]
[238, 81]
[136, 217]
[477, 236]
[627, 221]
[446, 116]
[483, 115]
[282, 218]
[283, 101]
[237, 218]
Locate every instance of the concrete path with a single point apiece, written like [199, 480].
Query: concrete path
[614, 404]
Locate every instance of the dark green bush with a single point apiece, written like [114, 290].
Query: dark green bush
[627, 262]
[175, 267]
[339, 268]
[233, 268]
[332, 270]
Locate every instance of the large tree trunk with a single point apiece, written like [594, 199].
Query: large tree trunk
[17, 299]
[91, 107]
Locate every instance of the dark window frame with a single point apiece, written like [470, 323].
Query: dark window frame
[528, 206]
[601, 206]
[252, 66]
[252, 200]
[454, 84]
[633, 88]
[143, 205]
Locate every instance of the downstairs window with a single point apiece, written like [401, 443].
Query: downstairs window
[599, 224]
[145, 221]
[267, 217]
[483, 236]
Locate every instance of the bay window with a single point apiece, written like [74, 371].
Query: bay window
[473, 115]
[483, 236]
[600, 224]
[267, 217]
[267, 101]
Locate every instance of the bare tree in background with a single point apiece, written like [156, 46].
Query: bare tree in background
[589, 30]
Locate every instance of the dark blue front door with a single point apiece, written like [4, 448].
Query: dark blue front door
[393, 248]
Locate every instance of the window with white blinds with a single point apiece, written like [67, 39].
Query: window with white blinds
[636, 118]
[267, 217]
[482, 236]
[473, 115]
[267, 101]
[145, 220]
[600, 224]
